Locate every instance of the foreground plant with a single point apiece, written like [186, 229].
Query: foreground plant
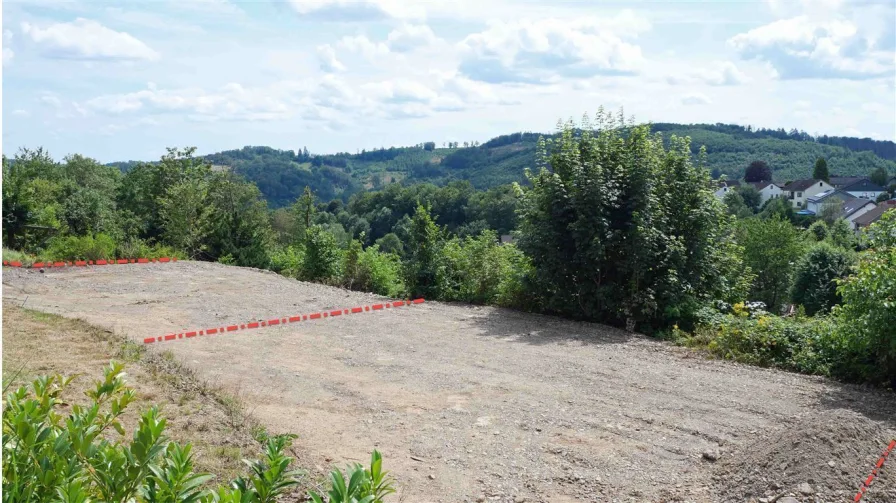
[71, 459]
[363, 485]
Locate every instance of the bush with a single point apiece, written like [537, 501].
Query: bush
[322, 256]
[818, 230]
[288, 260]
[51, 457]
[362, 485]
[868, 315]
[98, 247]
[815, 279]
[798, 344]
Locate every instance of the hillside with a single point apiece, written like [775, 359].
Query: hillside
[281, 175]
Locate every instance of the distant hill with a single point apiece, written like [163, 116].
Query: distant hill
[282, 175]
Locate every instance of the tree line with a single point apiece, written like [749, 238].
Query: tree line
[617, 224]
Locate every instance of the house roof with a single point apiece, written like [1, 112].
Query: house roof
[762, 185]
[821, 196]
[727, 183]
[873, 215]
[800, 185]
[853, 205]
[842, 181]
[863, 185]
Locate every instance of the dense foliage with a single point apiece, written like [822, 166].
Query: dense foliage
[53, 452]
[619, 225]
[620, 229]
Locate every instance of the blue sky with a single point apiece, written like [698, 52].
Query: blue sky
[123, 80]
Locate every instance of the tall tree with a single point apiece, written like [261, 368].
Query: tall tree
[758, 171]
[771, 248]
[620, 229]
[816, 276]
[879, 176]
[422, 259]
[821, 170]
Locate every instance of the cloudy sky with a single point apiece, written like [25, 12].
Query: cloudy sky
[123, 80]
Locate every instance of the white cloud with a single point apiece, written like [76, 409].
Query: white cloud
[231, 102]
[356, 10]
[695, 99]
[410, 37]
[89, 40]
[549, 49]
[151, 20]
[360, 44]
[8, 54]
[21, 113]
[720, 74]
[208, 6]
[51, 100]
[7, 35]
[808, 47]
[326, 56]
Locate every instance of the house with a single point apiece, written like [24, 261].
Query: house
[506, 239]
[768, 190]
[815, 203]
[724, 186]
[798, 190]
[855, 208]
[865, 189]
[838, 182]
[873, 215]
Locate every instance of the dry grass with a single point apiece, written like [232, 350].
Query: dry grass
[216, 423]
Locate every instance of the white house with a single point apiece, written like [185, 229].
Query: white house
[815, 203]
[768, 190]
[855, 208]
[725, 186]
[799, 190]
[866, 189]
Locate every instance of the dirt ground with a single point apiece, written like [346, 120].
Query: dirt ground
[469, 403]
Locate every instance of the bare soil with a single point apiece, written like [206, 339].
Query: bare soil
[477, 403]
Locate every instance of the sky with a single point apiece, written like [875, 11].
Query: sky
[124, 80]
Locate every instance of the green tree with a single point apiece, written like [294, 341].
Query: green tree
[422, 261]
[818, 230]
[821, 170]
[830, 210]
[321, 256]
[778, 208]
[736, 205]
[771, 249]
[751, 197]
[239, 226]
[816, 276]
[622, 230]
[879, 176]
[867, 315]
[840, 234]
[304, 210]
[184, 215]
[391, 244]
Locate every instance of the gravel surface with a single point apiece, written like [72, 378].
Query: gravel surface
[466, 403]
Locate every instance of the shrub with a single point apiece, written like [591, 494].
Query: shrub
[797, 344]
[288, 260]
[322, 256]
[868, 315]
[815, 280]
[819, 230]
[51, 457]
[88, 247]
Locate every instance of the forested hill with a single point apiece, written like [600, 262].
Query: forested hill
[281, 175]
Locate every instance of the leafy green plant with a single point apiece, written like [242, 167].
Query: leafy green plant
[87, 247]
[49, 457]
[363, 485]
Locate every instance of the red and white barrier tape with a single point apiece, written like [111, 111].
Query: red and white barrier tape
[280, 321]
[84, 263]
[877, 466]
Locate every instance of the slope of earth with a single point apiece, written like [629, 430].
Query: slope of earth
[466, 403]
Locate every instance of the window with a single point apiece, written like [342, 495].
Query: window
[799, 194]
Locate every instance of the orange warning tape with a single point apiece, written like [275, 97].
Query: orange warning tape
[84, 263]
[880, 463]
[281, 320]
